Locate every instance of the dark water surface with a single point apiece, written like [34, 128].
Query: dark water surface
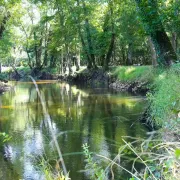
[98, 117]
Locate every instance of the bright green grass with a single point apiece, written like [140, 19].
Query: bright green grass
[133, 73]
[165, 101]
[164, 96]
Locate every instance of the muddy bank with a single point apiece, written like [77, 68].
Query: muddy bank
[92, 78]
[136, 87]
[89, 77]
[98, 78]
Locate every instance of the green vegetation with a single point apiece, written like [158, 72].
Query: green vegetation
[165, 101]
[61, 34]
[96, 171]
[134, 73]
[50, 172]
[159, 159]
[135, 41]
[163, 97]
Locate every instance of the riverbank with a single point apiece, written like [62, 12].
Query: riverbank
[162, 149]
[161, 86]
[160, 153]
[122, 78]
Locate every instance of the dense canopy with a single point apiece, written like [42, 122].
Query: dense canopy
[63, 33]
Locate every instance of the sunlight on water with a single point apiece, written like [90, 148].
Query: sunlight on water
[94, 116]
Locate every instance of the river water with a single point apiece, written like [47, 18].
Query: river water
[98, 117]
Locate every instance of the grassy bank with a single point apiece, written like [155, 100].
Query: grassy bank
[164, 96]
[160, 154]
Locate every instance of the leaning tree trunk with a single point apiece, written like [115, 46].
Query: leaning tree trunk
[164, 50]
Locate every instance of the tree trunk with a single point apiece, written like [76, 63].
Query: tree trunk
[68, 59]
[123, 55]
[29, 59]
[164, 50]
[174, 41]
[109, 53]
[89, 38]
[79, 60]
[0, 68]
[112, 42]
[153, 52]
[45, 63]
[38, 50]
[130, 55]
[53, 61]
[61, 62]
[3, 24]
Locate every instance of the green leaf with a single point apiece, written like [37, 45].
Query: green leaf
[177, 153]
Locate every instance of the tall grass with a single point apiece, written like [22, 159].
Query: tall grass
[165, 101]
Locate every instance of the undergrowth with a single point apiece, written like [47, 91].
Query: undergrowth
[133, 73]
[161, 158]
[156, 165]
[165, 100]
[50, 172]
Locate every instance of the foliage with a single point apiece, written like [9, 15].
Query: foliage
[5, 137]
[133, 73]
[165, 102]
[96, 171]
[50, 172]
[159, 160]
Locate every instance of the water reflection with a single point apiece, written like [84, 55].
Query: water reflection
[94, 116]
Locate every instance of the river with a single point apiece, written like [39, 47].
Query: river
[98, 117]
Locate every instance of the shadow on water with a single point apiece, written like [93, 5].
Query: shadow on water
[94, 116]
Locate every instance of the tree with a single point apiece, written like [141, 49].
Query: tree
[154, 27]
